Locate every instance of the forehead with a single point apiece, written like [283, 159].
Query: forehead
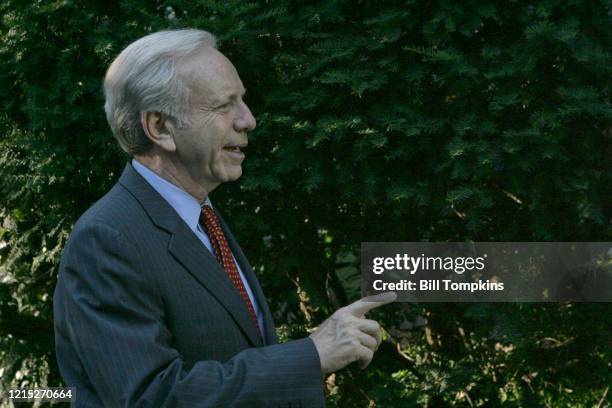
[210, 76]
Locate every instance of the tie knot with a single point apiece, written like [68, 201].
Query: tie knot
[209, 218]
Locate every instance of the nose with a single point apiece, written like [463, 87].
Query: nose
[245, 122]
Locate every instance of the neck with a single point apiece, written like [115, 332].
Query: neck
[176, 174]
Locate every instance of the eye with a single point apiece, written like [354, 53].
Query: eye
[225, 106]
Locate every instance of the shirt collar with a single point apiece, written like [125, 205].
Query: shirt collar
[185, 205]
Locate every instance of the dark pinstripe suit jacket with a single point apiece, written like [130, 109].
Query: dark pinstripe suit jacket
[145, 316]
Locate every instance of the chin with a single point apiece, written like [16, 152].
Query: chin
[233, 175]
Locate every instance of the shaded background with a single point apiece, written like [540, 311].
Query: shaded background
[377, 121]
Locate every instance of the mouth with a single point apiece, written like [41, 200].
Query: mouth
[235, 152]
[235, 147]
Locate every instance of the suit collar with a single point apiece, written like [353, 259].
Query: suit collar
[160, 212]
[185, 205]
[191, 253]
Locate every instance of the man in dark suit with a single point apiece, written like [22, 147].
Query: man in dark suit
[156, 305]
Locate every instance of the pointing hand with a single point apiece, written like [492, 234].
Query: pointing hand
[346, 336]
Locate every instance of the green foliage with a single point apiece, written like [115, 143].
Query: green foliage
[377, 121]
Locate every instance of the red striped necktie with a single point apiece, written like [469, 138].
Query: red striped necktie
[210, 222]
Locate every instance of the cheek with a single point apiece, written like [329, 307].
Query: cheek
[219, 135]
[205, 142]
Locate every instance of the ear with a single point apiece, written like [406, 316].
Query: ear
[159, 130]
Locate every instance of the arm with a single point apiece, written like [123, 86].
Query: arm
[113, 314]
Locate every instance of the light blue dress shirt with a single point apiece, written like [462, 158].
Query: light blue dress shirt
[188, 208]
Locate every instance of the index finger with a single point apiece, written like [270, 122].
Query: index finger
[364, 305]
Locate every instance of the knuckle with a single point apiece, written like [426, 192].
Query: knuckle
[374, 324]
[347, 324]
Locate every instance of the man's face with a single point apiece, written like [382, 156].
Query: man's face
[209, 148]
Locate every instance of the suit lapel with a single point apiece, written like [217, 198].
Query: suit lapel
[200, 263]
[190, 252]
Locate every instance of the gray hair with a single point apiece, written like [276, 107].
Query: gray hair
[143, 78]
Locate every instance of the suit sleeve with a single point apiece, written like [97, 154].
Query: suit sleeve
[113, 315]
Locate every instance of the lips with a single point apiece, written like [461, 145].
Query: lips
[235, 147]
[233, 151]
